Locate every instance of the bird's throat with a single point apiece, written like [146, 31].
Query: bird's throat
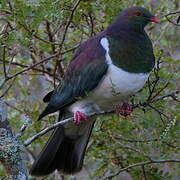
[130, 53]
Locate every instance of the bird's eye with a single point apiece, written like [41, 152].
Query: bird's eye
[138, 14]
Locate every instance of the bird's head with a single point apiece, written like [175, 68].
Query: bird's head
[136, 17]
[139, 15]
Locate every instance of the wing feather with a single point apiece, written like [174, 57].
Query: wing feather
[83, 75]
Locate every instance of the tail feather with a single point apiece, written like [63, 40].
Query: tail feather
[62, 153]
[44, 164]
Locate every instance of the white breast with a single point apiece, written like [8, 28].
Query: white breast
[116, 86]
[119, 80]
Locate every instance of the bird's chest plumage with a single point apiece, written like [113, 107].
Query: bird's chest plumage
[114, 88]
[119, 84]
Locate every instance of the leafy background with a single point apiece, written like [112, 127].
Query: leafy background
[33, 30]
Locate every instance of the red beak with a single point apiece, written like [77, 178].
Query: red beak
[155, 19]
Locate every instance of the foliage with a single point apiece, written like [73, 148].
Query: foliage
[33, 30]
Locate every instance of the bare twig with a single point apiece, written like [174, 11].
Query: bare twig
[155, 82]
[34, 65]
[159, 112]
[59, 63]
[172, 95]
[121, 138]
[27, 69]
[34, 68]
[30, 140]
[36, 36]
[159, 91]
[144, 172]
[4, 62]
[141, 164]
[6, 91]
[10, 5]
[69, 22]
[41, 133]
[26, 123]
[15, 108]
[172, 13]
[50, 36]
[129, 147]
[171, 145]
[92, 24]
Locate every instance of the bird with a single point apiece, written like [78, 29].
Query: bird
[104, 73]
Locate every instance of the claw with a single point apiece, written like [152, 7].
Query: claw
[78, 117]
[124, 110]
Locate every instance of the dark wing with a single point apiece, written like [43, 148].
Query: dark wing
[47, 97]
[83, 75]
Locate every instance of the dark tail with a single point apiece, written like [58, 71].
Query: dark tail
[62, 153]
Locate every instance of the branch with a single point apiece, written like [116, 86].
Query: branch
[4, 62]
[10, 149]
[69, 22]
[172, 13]
[30, 140]
[172, 95]
[32, 66]
[6, 91]
[41, 133]
[121, 138]
[59, 64]
[36, 36]
[140, 164]
[144, 172]
[129, 147]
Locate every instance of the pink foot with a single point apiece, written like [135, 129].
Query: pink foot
[78, 116]
[124, 110]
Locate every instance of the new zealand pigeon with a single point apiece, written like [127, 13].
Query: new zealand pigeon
[105, 72]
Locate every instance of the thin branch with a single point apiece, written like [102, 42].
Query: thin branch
[172, 95]
[155, 82]
[41, 133]
[34, 68]
[69, 22]
[30, 140]
[36, 36]
[92, 24]
[159, 112]
[144, 172]
[50, 36]
[10, 62]
[4, 62]
[159, 91]
[129, 147]
[171, 145]
[172, 13]
[121, 138]
[6, 91]
[10, 5]
[141, 164]
[58, 64]
[26, 123]
[27, 69]
[71, 49]
[34, 65]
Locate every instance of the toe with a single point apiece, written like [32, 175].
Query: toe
[78, 117]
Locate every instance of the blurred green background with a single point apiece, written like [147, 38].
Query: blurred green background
[31, 30]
